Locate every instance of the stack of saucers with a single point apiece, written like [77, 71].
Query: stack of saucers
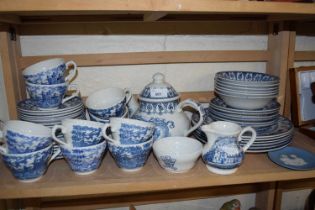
[28, 111]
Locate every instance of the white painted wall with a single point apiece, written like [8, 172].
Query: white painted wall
[184, 77]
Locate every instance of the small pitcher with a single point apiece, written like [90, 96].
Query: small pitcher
[222, 153]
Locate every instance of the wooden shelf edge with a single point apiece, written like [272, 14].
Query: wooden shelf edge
[170, 6]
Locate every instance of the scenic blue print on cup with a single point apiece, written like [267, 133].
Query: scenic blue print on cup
[114, 111]
[134, 134]
[85, 135]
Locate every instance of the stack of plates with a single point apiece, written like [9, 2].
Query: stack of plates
[28, 111]
[275, 137]
[246, 90]
[260, 119]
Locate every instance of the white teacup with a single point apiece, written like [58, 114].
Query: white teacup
[78, 133]
[109, 102]
[51, 71]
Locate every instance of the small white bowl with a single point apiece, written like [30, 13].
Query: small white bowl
[177, 154]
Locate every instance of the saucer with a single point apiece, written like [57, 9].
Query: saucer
[293, 158]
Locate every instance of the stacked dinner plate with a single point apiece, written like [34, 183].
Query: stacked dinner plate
[28, 111]
[249, 99]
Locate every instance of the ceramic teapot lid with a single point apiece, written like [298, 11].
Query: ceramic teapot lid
[158, 90]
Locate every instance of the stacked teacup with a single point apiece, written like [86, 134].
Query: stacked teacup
[129, 141]
[26, 149]
[106, 103]
[47, 84]
[82, 146]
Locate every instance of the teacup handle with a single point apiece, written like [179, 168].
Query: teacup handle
[3, 150]
[195, 105]
[75, 94]
[104, 129]
[1, 130]
[53, 157]
[63, 130]
[72, 72]
[128, 94]
[251, 141]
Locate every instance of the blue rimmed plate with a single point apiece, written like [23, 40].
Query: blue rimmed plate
[293, 158]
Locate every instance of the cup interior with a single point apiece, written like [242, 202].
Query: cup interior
[105, 98]
[223, 127]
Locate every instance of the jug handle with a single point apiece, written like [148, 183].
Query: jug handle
[195, 105]
[251, 141]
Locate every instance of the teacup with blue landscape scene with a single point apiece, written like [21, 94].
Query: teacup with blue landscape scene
[51, 71]
[128, 131]
[50, 96]
[29, 167]
[78, 133]
[20, 137]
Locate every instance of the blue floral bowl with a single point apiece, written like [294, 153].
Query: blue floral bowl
[130, 157]
[246, 77]
[84, 160]
[29, 167]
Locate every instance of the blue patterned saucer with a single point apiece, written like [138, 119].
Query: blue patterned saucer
[293, 158]
[28, 106]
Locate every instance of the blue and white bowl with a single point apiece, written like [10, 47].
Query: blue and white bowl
[130, 157]
[247, 78]
[24, 137]
[29, 167]
[49, 96]
[177, 154]
[48, 72]
[84, 160]
[128, 131]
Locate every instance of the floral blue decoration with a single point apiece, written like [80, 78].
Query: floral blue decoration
[158, 107]
[168, 162]
[246, 76]
[134, 134]
[85, 135]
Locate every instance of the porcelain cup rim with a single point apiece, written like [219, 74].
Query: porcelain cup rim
[19, 124]
[116, 144]
[70, 148]
[71, 122]
[119, 120]
[28, 153]
[40, 66]
[222, 128]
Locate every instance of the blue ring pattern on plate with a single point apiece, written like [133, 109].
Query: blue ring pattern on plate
[293, 158]
[246, 76]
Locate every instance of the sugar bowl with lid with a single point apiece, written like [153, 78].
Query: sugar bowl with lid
[159, 104]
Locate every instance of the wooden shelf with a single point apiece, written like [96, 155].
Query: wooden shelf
[60, 181]
[13, 11]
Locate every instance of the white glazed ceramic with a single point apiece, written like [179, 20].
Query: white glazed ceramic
[101, 120]
[159, 104]
[177, 154]
[78, 133]
[128, 131]
[222, 152]
[24, 137]
[50, 96]
[109, 102]
[51, 71]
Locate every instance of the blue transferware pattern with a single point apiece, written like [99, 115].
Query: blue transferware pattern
[224, 154]
[158, 107]
[49, 77]
[246, 76]
[83, 136]
[114, 111]
[131, 157]
[84, 159]
[28, 105]
[168, 162]
[17, 143]
[162, 126]
[30, 165]
[47, 96]
[134, 134]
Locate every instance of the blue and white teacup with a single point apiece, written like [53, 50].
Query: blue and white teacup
[130, 157]
[29, 167]
[84, 160]
[97, 119]
[51, 71]
[50, 96]
[109, 102]
[78, 133]
[20, 137]
[128, 131]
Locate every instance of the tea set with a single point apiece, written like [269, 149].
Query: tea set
[114, 121]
